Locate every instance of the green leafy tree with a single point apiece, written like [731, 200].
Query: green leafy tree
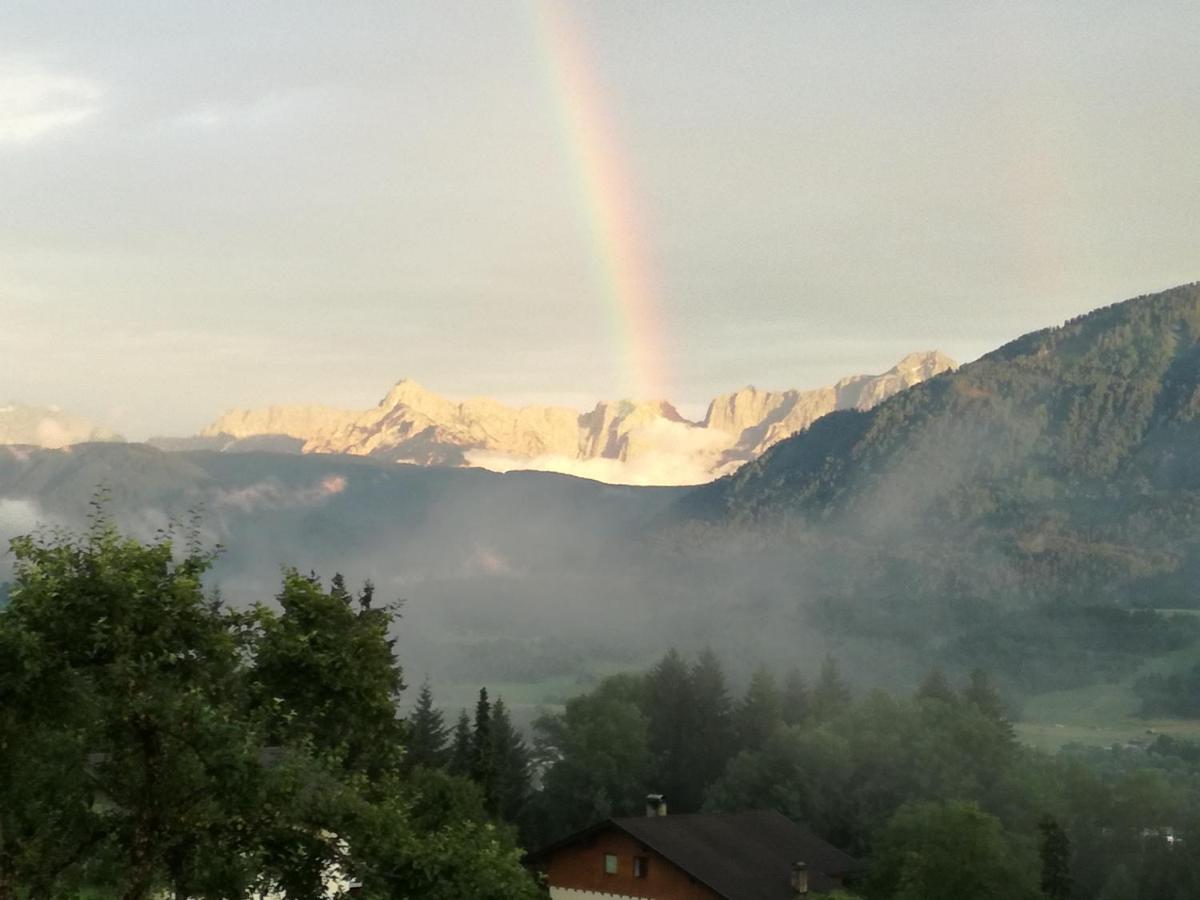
[327, 674]
[932, 851]
[597, 759]
[164, 738]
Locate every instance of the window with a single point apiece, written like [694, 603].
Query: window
[610, 864]
[641, 864]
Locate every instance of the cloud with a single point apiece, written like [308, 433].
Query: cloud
[660, 452]
[36, 102]
[271, 494]
[18, 517]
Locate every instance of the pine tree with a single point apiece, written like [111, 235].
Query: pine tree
[337, 588]
[797, 705]
[983, 695]
[1055, 852]
[511, 757]
[483, 757]
[427, 733]
[831, 693]
[936, 687]
[670, 711]
[712, 738]
[761, 710]
[460, 747]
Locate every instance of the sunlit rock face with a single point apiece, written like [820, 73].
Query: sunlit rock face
[47, 426]
[623, 441]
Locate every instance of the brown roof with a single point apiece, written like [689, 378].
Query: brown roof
[740, 856]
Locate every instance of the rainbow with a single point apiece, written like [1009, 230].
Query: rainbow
[615, 229]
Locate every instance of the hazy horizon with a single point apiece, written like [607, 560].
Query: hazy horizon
[229, 206]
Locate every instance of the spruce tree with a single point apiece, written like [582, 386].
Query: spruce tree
[831, 693]
[427, 733]
[670, 711]
[797, 705]
[712, 739]
[337, 588]
[761, 710]
[511, 757]
[982, 694]
[460, 747]
[1055, 851]
[936, 687]
[483, 758]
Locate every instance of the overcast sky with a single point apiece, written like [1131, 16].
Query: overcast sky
[211, 205]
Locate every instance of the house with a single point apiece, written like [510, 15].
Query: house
[725, 856]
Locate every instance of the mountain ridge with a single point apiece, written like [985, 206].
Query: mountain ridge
[623, 441]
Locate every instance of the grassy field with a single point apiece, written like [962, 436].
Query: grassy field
[1103, 714]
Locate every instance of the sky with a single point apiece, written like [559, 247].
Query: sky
[216, 205]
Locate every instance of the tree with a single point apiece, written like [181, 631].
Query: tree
[427, 733]
[796, 703]
[984, 696]
[511, 760]
[152, 746]
[831, 693]
[596, 753]
[459, 762]
[1121, 885]
[327, 674]
[936, 687]
[140, 675]
[483, 751]
[672, 716]
[1055, 852]
[712, 739]
[933, 851]
[760, 712]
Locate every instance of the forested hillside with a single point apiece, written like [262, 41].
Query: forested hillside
[1036, 492]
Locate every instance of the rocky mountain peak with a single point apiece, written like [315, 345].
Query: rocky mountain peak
[414, 424]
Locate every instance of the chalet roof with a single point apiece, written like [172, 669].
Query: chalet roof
[741, 856]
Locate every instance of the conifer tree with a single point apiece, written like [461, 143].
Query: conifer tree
[761, 710]
[427, 733]
[337, 588]
[483, 755]
[1055, 851]
[982, 694]
[831, 693]
[460, 747]
[511, 757]
[936, 687]
[712, 739]
[796, 701]
[670, 711]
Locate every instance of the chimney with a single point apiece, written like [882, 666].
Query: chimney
[800, 879]
[656, 805]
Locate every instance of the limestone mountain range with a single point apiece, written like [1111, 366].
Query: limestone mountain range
[632, 442]
[47, 426]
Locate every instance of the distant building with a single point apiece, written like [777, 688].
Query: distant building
[736, 856]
